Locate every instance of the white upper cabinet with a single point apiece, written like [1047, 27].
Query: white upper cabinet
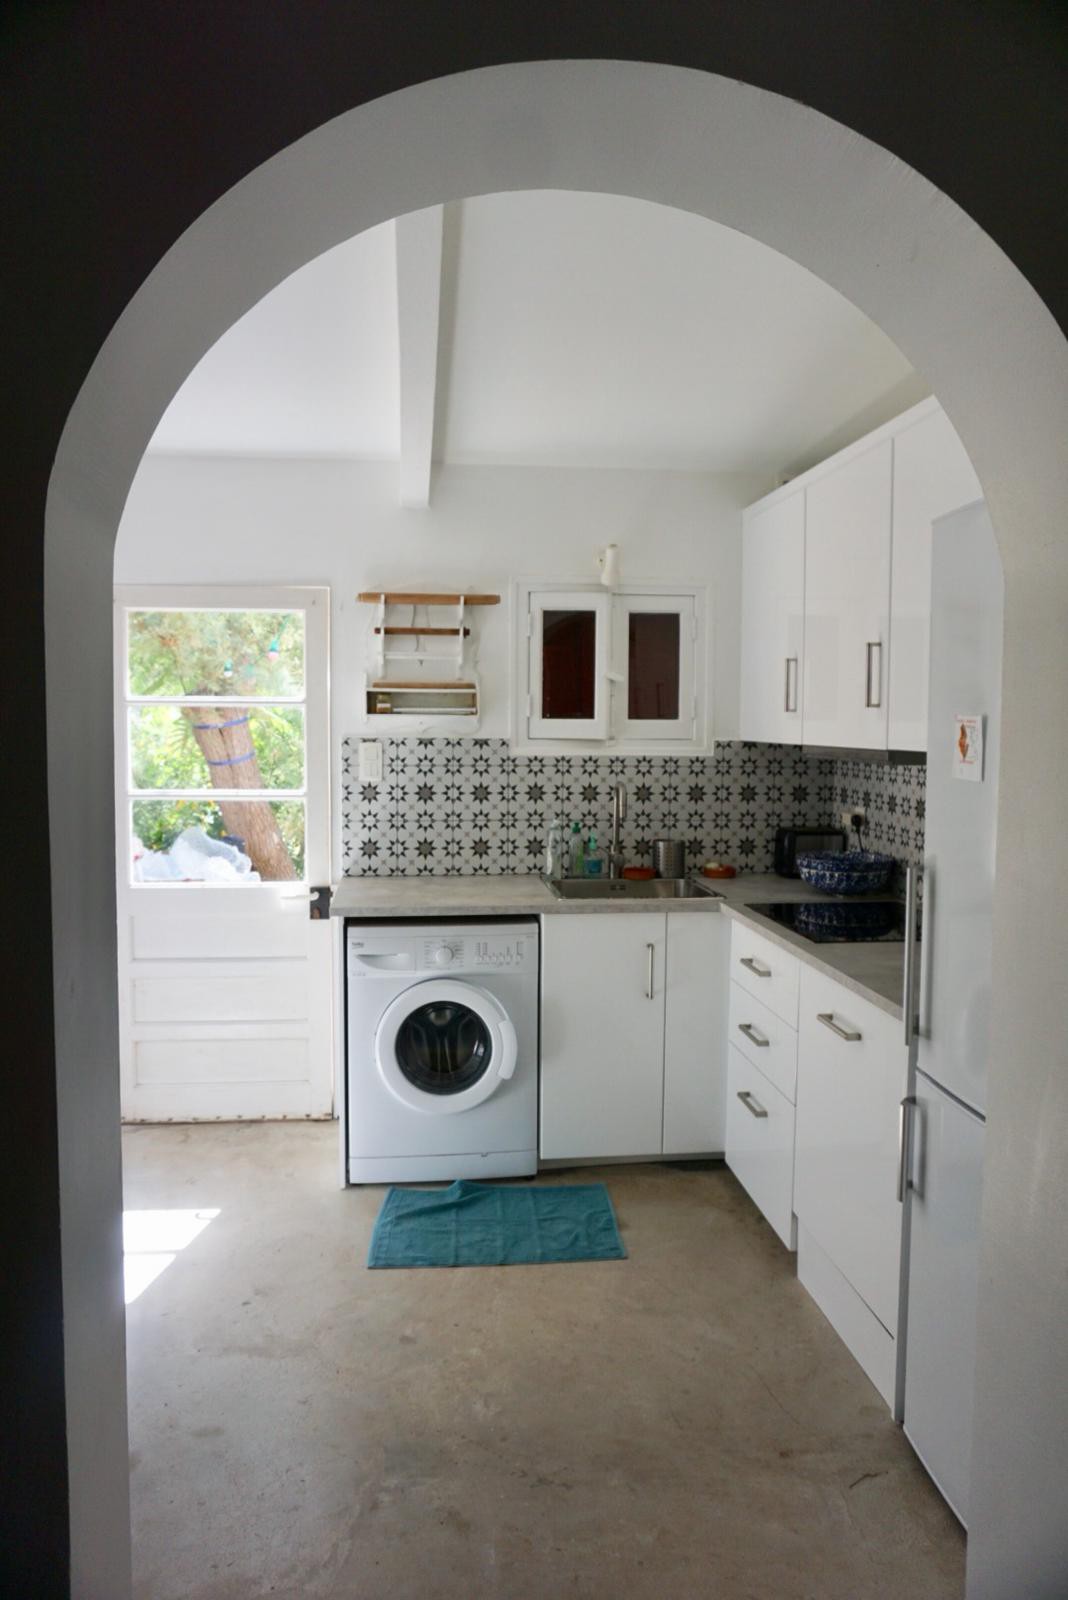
[847, 602]
[773, 620]
[836, 569]
[932, 475]
[568, 665]
[624, 669]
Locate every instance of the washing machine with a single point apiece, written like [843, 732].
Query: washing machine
[442, 1051]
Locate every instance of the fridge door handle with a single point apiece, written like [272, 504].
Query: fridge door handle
[904, 1125]
[908, 1003]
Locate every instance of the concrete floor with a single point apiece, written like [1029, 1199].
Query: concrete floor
[683, 1423]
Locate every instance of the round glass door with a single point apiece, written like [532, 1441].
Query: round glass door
[444, 1046]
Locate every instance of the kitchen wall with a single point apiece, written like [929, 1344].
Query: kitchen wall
[469, 806]
[251, 520]
[248, 520]
[893, 799]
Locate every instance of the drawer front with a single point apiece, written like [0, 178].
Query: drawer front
[766, 970]
[760, 1148]
[766, 1041]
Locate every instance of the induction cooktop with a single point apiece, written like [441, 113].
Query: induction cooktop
[839, 921]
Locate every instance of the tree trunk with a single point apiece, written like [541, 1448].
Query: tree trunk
[225, 740]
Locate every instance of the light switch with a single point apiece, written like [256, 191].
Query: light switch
[370, 761]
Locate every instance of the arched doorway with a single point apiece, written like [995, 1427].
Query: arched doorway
[846, 210]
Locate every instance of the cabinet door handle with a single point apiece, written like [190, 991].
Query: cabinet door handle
[827, 1018]
[903, 1128]
[751, 1034]
[649, 977]
[789, 701]
[751, 1104]
[873, 681]
[755, 966]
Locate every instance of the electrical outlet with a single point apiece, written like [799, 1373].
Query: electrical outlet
[369, 763]
[850, 816]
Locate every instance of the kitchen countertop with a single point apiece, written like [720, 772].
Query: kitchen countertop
[873, 971]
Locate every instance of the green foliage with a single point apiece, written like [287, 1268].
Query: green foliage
[157, 823]
[215, 652]
[206, 654]
[164, 753]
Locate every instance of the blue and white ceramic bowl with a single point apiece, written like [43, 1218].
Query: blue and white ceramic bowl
[845, 871]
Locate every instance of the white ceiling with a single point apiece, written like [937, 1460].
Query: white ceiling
[576, 329]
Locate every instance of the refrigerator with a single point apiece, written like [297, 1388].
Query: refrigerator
[950, 1043]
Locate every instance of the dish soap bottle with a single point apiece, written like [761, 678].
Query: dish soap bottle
[594, 864]
[576, 853]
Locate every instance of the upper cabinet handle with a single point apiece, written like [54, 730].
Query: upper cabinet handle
[649, 988]
[755, 966]
[789, 700]
[827, 1018]
[873, 680]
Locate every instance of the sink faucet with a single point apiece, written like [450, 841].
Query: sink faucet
[619, 811]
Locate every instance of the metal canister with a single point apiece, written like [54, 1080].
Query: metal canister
[669, 858]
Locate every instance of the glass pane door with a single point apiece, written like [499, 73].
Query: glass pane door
[655, 645]
[568, 666]
[215, 715]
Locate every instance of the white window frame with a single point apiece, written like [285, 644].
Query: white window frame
[645, 729]
[568, 728]
[132, 598]
[690, 735]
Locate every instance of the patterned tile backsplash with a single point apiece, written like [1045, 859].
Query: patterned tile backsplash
[470, 806]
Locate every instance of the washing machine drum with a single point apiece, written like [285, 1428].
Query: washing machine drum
[444, 1046]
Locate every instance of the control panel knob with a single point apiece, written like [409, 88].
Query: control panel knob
[443, 957]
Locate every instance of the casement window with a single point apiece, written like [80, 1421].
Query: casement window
[621, 669]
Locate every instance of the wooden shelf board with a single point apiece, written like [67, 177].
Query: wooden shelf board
[407, 688]
[436, 632]
[394, 598]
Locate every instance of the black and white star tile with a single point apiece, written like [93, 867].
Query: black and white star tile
[469, 807]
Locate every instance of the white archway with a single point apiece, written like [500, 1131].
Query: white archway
[949, 298]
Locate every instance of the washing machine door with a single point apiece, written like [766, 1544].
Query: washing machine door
[444, 1046]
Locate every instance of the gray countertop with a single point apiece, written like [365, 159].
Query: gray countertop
[874, 971]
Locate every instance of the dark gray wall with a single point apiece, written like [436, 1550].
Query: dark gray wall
[121, 123]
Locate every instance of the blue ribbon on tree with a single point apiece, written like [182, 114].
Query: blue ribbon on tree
[230, 761]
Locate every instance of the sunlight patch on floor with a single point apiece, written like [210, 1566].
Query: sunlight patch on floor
[152, 1240]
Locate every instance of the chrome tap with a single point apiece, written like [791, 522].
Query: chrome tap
[619, 811]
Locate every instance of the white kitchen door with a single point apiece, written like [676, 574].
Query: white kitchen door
[222, 785]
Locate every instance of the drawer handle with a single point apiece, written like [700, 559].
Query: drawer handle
[827, 1018]
[751, 1104]
[756, 966]
[751, 1034]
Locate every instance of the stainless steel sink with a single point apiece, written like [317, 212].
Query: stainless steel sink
[629, 889]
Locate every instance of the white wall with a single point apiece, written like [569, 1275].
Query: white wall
[234, 520]
[961, 312]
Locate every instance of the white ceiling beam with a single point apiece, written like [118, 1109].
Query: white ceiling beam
[418, 315]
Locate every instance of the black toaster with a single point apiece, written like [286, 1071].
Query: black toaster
[793, 842]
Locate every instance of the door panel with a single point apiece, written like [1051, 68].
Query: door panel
[602, 1034]
[944, 1213]
[932, 476]
[847, 603]
[225, 987]
[773, 621]
[695, 1055]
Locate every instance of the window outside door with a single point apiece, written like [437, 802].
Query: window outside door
[222, 823]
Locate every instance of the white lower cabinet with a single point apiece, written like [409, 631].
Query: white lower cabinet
[852, 1069]
[633, 1034]
[760, 1143]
